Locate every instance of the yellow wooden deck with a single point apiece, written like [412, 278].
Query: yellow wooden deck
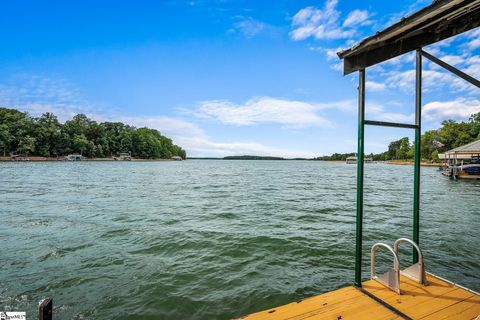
[438, 300]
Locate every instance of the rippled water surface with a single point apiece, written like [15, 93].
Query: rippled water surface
[202, 239]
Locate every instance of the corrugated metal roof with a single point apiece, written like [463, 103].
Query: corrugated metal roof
[440, 20]
[473, 147]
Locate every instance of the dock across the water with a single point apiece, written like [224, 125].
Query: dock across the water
[439, 299]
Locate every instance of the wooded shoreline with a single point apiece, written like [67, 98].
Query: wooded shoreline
[26, 137]
[48, 159]
[423, 164]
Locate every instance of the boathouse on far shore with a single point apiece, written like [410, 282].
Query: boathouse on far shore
[465, 152]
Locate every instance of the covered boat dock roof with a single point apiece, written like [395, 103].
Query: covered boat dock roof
[472, 147]
[463, 152]
[438, 21]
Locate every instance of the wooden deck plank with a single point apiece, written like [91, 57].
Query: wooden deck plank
[350, 302]
[307, 305]
[438, 300]
[362, 308]
[426, 308]
[313, 303]
[418, 301]
[467, 309]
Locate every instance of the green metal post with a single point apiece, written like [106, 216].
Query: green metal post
[418, 152]
[361, 139]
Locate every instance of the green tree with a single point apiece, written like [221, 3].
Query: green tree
[17, 125]
[5, 139]
[26, 145]
[399, 149]
[392, 149]
[145, 144]
[80, 134]
[427, 143]
[80, 142]
[410, 154]
[48, 135]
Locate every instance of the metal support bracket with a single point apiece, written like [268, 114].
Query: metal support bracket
[390, 279]
[416, 271]
[452, 69]
[390, 124]
[45, 309]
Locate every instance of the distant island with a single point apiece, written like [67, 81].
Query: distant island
[451, 134]
[247, 157]
[45, 136]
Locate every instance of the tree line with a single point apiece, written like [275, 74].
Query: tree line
[45, 136]
[450, 135]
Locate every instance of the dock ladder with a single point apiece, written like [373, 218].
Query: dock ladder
[391, 279]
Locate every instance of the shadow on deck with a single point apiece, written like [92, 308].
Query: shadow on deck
[437, 300]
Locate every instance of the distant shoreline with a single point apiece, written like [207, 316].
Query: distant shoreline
[48, 159]
[406, 163]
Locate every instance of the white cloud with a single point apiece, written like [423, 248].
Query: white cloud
[472, 38]
[169, 125]
[325, 24]
[431, 80]
[249, 27]
[184, 133]
[198, 146]
[474, 44]
[401, 74]
[437, 78]
[37, 95]
[375, 86]
[401, 60]
[319, 23]
[268, 110]
[32, 88]
[357, 17]
[452, 59]
[63, 113]
[472, 67]
[458, 109]
[337, 66]
[376, 111]
[331, 53]
[413, 7]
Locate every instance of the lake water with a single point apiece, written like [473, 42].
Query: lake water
[208, 239]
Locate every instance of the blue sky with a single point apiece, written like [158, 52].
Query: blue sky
[225, 77]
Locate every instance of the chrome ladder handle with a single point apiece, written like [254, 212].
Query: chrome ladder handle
[416, 271]
[391, 279]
